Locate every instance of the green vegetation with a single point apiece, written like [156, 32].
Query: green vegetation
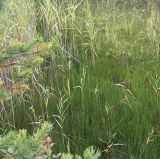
[89, 67]
[17, 145]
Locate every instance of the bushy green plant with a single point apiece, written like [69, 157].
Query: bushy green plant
[18, 145]
[17, 62]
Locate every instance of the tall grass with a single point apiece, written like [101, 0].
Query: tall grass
[100, 83]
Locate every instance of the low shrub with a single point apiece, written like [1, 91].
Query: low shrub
[20, 145]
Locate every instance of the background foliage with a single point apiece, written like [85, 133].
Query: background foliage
[96, 75]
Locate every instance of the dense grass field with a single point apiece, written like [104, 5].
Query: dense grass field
[99, 84]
